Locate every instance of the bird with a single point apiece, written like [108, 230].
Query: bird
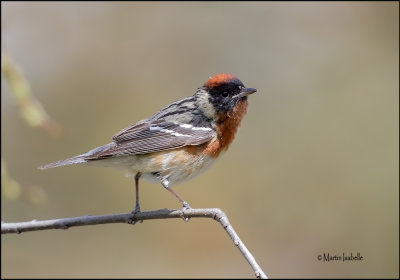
[178, 142]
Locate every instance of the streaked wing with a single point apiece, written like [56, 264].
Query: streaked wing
[153, 136]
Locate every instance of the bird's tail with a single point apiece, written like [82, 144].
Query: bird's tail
[68, 161]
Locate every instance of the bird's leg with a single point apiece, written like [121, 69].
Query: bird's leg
[137, 206]
[132, 220]
[185, 205]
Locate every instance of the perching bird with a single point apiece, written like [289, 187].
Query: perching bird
[178, 142]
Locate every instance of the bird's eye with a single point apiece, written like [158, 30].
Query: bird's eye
[225, 94]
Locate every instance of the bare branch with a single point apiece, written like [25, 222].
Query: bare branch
[213, 213]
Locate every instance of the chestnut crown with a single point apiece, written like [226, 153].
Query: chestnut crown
[226, 91]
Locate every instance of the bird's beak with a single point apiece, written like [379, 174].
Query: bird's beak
[245, 91]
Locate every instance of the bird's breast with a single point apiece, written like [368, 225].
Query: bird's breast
[226, 126]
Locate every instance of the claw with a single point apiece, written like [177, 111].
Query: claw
[185, 206]
[132, 220]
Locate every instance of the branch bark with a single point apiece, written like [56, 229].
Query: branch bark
[213, 213]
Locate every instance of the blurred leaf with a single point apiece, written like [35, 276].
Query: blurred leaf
[11, 189]
[31, 109]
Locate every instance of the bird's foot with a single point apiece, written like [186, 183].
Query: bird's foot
[133, 220]
[137, 209]
[185, 206]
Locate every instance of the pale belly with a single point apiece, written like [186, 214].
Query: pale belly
[176, 165]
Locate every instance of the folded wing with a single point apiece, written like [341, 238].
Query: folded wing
[152, 136]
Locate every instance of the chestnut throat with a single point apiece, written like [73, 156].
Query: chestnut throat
[227, 126]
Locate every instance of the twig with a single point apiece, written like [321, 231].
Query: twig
[214, 213]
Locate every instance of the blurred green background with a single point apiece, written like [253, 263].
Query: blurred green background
[313, 169]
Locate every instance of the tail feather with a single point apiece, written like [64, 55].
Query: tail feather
[68, 161]
[89, 156]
